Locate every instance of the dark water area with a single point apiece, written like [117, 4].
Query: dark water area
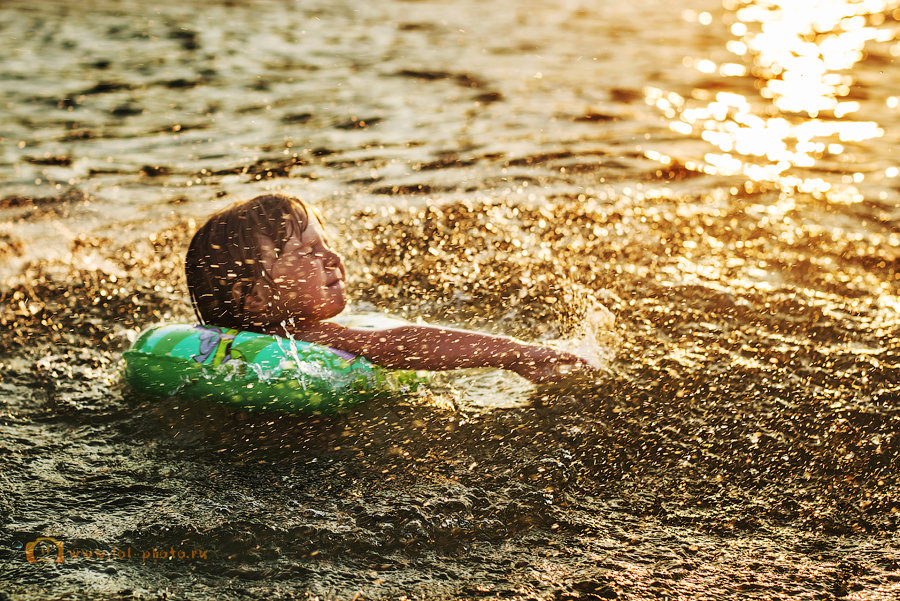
[703, 195]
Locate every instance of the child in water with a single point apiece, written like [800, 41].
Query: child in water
[264, 265]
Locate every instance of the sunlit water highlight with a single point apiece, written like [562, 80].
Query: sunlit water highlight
[800, 55]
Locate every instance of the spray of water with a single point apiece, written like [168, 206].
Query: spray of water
[592, 337]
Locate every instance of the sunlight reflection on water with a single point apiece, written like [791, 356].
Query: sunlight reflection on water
[800, 54]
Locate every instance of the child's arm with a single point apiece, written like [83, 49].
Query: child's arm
[434, 348]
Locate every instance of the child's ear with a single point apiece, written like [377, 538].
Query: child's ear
[255, 301]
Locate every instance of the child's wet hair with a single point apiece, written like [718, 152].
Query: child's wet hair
[226, 250]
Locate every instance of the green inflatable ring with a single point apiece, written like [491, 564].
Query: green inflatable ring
[259, 372]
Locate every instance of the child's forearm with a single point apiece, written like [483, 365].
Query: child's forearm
[421, 347]
[435, 349]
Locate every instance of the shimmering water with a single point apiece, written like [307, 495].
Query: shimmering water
[702, 195]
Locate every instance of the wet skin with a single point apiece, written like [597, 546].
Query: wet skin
[305, 279]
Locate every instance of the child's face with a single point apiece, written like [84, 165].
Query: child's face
[308, 276]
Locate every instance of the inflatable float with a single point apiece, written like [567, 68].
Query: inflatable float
[259, 372]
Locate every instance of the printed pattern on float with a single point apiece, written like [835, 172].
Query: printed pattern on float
[258, 372]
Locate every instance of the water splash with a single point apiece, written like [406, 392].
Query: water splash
[594, 338]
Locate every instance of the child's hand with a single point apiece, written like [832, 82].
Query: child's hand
[541, 365]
